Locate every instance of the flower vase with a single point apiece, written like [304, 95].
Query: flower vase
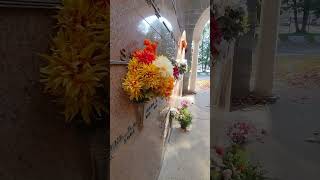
[184, 128]
[140, 115]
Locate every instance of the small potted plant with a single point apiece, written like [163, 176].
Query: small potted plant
[184, 116]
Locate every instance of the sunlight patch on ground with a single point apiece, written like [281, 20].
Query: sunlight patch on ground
[299, 71]
[203, 84]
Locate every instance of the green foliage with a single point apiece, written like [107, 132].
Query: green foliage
[77, 65]
[204, 54]
[182, 68]
[301, 7]
[184, 118]
[233, 23]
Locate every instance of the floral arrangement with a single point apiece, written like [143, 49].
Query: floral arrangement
[231, 25]
[76, 69]
[148, 75]
[182, 114]
[232, 164]
[215, 35]
[241, 133]
[179, 69]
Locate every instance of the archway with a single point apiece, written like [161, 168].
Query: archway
[196, 37]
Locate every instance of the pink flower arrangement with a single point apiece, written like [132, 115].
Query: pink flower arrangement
[241, 132]
[185, 104]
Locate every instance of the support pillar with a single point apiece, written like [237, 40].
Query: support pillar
[267, 47]
[194, 66]
[242, 62]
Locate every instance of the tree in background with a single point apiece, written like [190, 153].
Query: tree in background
[301, 7]
[204, 53]
[317, 9]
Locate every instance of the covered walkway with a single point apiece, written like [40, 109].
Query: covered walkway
[187, 155]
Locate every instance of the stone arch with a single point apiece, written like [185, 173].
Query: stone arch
[196, 37]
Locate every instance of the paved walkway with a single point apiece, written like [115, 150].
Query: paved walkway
[290, 122]
[187, 155]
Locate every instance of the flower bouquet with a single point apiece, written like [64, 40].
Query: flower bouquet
[149, 75]
[183, 115]
[242, 132]
[232, 163]
[179, 69]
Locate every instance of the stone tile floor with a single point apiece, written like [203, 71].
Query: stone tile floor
[187, 156]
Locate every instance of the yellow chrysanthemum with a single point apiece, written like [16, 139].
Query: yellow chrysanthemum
[134, 65]
[133, 86]
[150, 75]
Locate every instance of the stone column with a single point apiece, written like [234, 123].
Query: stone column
[267, 47]
[194, 66]
[242, 63]
[188, 56]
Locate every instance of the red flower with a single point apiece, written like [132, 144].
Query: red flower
[176, 72]
[219, 150]
[144, 56]
[215, 35]
[148, 54]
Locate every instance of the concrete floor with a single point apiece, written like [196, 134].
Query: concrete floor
[187, 155]
[293, 119]
[285, 154]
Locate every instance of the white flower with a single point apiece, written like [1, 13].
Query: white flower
[166, 67]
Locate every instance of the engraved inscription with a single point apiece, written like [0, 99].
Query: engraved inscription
[122, 139]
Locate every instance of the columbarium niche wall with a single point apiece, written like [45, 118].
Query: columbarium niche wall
[136, 153]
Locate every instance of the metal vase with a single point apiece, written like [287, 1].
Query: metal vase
[140, 115]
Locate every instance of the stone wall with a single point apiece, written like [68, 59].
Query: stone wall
[133, 21]
[35, 142]
[136, 154]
